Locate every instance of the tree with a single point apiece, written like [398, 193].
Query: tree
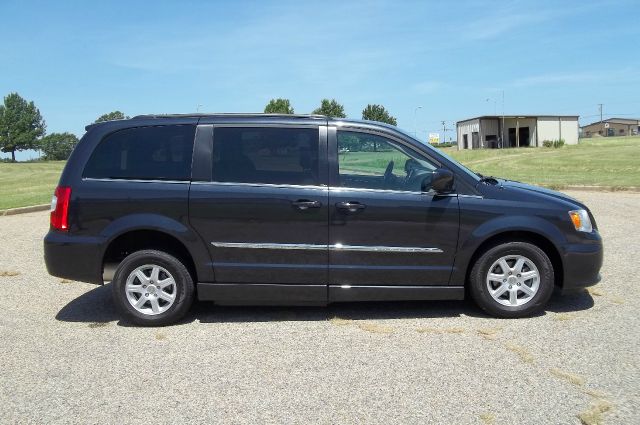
[330, 108]
[378, 113]
[58, 146]
[115, 115]
[278, 106]
[20, 125]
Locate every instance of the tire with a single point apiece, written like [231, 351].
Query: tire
[531, 293]
[152, 300]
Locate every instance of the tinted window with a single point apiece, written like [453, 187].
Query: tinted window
[373, 162]
[266, 155]
[146, 153]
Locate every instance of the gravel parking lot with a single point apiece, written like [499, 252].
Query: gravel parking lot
[66, 358]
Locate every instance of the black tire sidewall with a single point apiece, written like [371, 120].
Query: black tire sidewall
[182, 277]
[479, 272]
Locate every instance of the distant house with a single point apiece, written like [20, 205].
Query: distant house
[497, 131]
[612, 127]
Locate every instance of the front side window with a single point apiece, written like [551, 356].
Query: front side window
[369, 161]
[266, 155]
[144, 153]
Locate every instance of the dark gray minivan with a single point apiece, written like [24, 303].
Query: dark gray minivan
[303, 210]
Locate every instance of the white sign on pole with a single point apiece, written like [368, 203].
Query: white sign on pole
[434, 138]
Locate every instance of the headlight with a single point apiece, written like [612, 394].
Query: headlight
[581, 221]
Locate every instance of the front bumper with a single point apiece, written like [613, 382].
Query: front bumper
[582, 263]
[73, 257]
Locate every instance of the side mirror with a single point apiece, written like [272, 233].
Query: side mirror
[440, 181]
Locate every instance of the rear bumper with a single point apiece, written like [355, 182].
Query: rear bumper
[73, 257]
[582, 263]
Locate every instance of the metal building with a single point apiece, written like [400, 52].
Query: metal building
[497, 131]
[612, 127]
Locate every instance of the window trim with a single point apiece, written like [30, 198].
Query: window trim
[334, 175]
[322, 154]
[365, 189]
[265, 185]
[111, 179]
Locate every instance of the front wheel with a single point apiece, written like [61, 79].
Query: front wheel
[511, 280]
[152, 288]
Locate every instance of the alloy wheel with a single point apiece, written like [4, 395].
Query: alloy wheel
[513, 280]
[151, 289]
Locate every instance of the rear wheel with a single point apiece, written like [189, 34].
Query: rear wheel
[152, 288]
[514, 279]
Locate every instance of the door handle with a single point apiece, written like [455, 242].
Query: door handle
[305, 204]
[350, 206]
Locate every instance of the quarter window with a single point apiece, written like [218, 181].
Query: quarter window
[266, 155]
[369, 161]
[145, 153]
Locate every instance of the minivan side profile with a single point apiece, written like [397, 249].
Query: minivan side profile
[304, 210]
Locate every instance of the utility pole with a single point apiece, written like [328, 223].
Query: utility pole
[502, 127]
[444, 134]
[601, 123]
[600, 106]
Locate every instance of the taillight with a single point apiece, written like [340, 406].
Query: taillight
[60, 208]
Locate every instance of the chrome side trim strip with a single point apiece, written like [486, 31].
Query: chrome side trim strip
[373, 248]
[335, 247]
[269, 245]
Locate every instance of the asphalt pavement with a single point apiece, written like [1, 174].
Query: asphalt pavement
[66, 357]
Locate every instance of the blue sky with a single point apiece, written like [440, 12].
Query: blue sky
[78, 60]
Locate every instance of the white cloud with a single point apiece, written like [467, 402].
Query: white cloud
[582, 77]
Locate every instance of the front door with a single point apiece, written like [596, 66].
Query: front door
[384, 231]
[264, 213]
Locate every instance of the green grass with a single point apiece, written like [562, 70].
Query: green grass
[613, 162]
[28, 183]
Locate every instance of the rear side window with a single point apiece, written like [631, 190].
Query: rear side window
[145, 153]
[266, 155]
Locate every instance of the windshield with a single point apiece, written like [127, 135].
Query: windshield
[441, 152]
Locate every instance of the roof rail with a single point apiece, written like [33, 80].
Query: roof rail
[209, 115]
[234, 114]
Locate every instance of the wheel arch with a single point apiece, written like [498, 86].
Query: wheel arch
[534, 238]
[138, 239]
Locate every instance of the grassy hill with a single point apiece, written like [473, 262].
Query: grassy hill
[28, 183]
[612, 162]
